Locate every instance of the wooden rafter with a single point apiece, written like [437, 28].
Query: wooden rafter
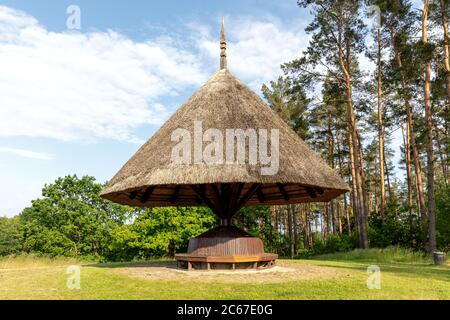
[200, 191]
[216, 192]
[225, 195]
[239, 190]
[235, 190]
[147, 194]
[311, 192]
[283, 191]
[250, 192]
[320, 191]
[133, 194]
[260, 195]
[176, 192]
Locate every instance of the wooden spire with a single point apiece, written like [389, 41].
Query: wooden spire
[223, 47]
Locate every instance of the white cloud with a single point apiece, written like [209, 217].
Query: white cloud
[26, 153]
[85, 86]
[75, 86]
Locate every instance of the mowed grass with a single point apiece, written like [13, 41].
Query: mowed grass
[403, 276]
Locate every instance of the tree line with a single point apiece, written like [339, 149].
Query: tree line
[350, 115]
[71, 219]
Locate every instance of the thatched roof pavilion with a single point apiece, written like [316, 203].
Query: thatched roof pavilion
[151, 178]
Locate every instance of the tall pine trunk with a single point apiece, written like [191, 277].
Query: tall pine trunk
[407, 152]
[409, 119]
[339, 216]
[290, 223]
[295, 229]
[304, 211]
[446, 46]
[429, 125]
[354, 154]
[347, 220]
[363, 177]
[442, 155]
[380, 128]
[354, 197]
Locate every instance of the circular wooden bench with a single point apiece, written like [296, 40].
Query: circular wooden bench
[189, 262]
[225, 247]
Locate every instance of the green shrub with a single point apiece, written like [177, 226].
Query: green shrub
[392, 254]
[70, 219]
[10, 236]
[443, 216]
[334, 243]
[159, 232]
[399, 229]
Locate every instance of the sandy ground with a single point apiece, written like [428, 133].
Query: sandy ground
[282, 272]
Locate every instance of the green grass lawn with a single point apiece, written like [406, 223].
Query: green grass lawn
[340, 276]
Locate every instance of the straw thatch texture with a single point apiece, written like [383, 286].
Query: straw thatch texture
[150, 178]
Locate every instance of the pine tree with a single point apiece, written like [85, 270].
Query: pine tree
[337, 28]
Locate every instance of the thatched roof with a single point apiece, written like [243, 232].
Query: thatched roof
[150, 178]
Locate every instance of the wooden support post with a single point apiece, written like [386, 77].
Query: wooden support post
[255, 265]
[189, 266]
[233, 266]
[208, 266]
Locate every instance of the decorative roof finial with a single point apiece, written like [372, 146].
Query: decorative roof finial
[223, 46]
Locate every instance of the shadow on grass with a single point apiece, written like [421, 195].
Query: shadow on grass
[410, 270]
[170, 264]
[441, 273]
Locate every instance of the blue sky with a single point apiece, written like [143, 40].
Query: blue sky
[83, 101]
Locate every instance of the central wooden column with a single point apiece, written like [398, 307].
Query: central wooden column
[226, 246]
[227, 198]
